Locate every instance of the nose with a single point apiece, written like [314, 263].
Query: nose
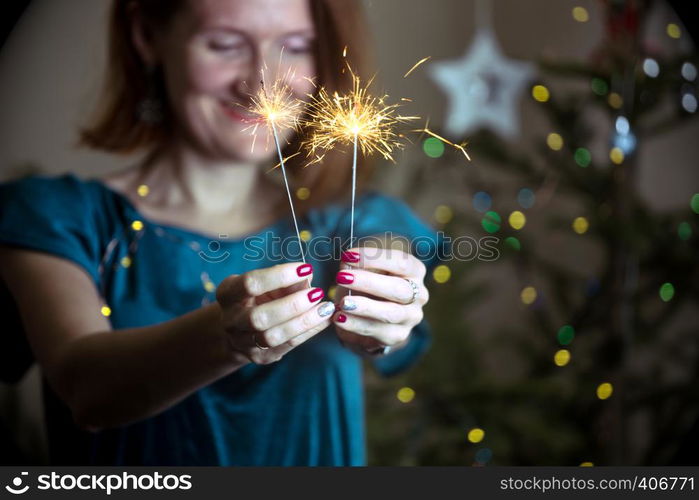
[251, 80]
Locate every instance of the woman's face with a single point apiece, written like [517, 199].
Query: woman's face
[213, 54]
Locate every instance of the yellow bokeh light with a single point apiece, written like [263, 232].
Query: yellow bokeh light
[673, 31]
[528, 295]
[405, 394]
[137, 225]
[615, 100]
[540, 93]
[554, 141]
[617, 156]
[126, 261]
[517, 220]
[305, 235]
[604, 390]
[143, 190]
[562, 357]
[476, 435]
[580, 14]
[106, 311]
[209, 286]
[443, 214]
[580, 225]
[441, 273]
[587, 464]
[332, 291]
[303, 193]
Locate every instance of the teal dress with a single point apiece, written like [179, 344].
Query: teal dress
[306, 409]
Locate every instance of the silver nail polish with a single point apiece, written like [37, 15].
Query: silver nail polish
[326, 309]
[349, 305]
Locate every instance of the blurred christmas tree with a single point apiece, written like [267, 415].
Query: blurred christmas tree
[599, 360]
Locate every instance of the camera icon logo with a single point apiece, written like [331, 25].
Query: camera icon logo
[16, 488]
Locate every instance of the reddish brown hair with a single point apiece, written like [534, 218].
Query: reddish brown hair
[116, 127]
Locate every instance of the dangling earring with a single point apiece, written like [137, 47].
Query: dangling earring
[150, 108]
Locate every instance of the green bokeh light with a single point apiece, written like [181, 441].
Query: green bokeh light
[695, 203]
[566, 334]
[667, 291]
[513, 243]
[684, 231]
[491, 222]
[599, 86]
[434, 148]
[583, 157]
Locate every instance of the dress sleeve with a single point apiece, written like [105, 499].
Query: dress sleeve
[51, 215]
[377, 214]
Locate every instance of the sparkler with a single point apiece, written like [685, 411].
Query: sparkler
[277, 107]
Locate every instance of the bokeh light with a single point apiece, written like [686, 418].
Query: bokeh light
[599, 86]
[540, 93]
[305, 235]
[106, 311]
[513, 243]
[689, 103]
[673, 31]
[143, 190]
[443, 214]
[441, 273]
[617, 156]
[580, 225]
[651, 67]
[482, 201]
[587, 464]
[562, 357]
[604, 390]
[554, 141]
[528, 295]
[615, 100]
[666, 292]
[303, 193]
[694, 203]
[689, 71]
[583, 157]
[476, 435]
[491, 222]
[434, 148]
[684, 231]
[565, 335]
[126, 261]
[580, 14]
[526, 198]
[405, 394]
[517, 220]
[137, 225]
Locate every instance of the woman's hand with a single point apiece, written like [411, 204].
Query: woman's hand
[267, 312]
[392, 294]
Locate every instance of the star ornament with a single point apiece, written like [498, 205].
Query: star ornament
[483, 88]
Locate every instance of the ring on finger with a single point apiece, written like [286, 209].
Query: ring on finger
[254, 339]
[415, 290]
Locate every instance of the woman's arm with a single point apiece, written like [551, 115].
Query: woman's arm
[110, 378]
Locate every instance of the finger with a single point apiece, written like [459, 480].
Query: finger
[380, 310]
[389, 260]
[387, 287]
[314, 320]
[386, 334]
[281, 292]
[260, 281]
[276, 312]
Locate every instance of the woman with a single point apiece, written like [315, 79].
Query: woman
[162, 337]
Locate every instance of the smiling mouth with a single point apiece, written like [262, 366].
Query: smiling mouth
[237, 112]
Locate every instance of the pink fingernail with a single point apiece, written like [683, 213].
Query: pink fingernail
[344, 278]
[341, 318]
[316, 294]
[304, 269]
[350, 256]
